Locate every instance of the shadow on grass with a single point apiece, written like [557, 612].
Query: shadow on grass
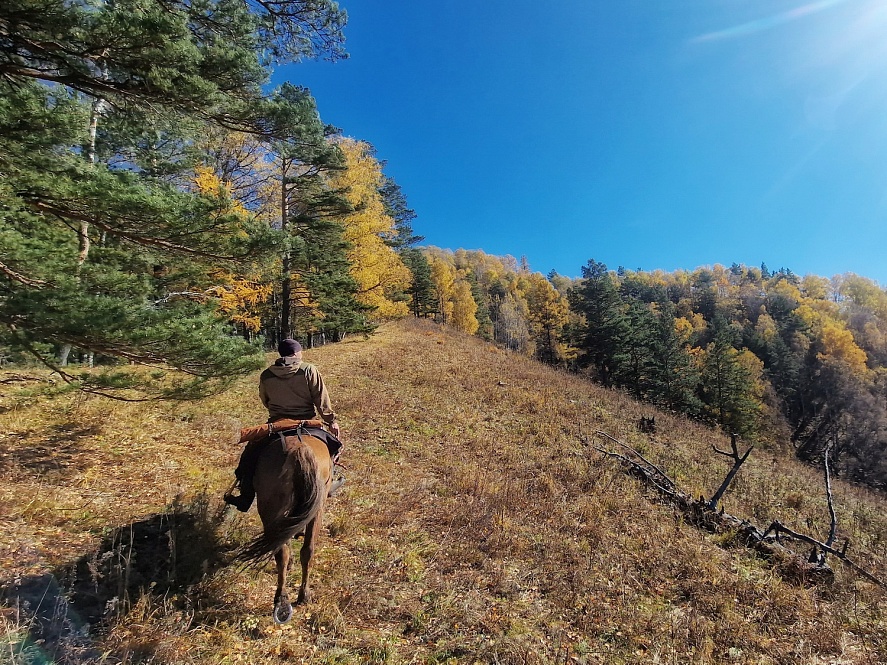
[164, 557]
[56, 455]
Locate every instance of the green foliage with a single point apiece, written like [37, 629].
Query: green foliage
[107, 245]
[207, 58]
[423, 299]
[673, 376]
[726, 386]
[397, 208]
[599, 335]
[762, 354]
[319, 256]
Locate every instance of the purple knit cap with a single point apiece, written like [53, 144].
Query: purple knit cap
[288, 347]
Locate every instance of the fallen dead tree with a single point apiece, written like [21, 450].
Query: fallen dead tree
[702, 514]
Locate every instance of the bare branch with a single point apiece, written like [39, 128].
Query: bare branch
[828, 491]
[737, 462]
[644, 472]
[778, 528]
[650, 464]
[701, 515]
[18, 277]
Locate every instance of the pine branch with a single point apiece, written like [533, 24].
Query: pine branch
[135, 238]
[21, 279]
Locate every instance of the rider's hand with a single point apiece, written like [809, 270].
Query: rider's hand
[334, 428]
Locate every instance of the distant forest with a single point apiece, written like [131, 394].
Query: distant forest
[161, 207]
[767, 355]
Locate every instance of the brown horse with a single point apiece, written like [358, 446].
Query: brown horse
[292, 479]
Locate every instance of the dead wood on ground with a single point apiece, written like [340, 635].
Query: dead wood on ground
[700, 513]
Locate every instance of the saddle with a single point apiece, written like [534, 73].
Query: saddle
[288, 426]
[265, 430]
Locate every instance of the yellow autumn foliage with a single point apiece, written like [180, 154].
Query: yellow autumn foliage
[834, 338]
[206, 182]
[464, 308]
[683, 328]
[377, 268]
[766, 327]
[240, 298]
[838, 342]
[443, 275]
[754, 369]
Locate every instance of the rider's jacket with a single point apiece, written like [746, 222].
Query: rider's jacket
[295, 391]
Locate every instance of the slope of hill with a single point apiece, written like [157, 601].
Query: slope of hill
[476, 526]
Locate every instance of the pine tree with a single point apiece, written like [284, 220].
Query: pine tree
[203, 59]
[673, 375]
[329, 303]
[633, 358]
[727, 383]
[304, 157]
[119, 255]
[397, 208]
[597, 300]
[423, 299]
[484, 321]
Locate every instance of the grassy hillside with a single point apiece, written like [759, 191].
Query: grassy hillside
[476, 526]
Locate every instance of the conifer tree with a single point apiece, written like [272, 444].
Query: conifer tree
[304, 157]
[673, 375]
[633, 357]
[402, 237]
[597, 300]
[482, 313]
[727, 383]
[423, 299]
[117, 256]
[329, 304]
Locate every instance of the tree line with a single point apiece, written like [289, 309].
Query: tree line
[765, 355]
[761, 354]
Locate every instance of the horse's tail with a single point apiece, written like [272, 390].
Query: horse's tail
[308, 495]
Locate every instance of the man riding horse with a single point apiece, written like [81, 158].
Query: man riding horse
[291, 390]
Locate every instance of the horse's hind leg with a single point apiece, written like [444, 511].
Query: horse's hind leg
[282, 559]
[282, 608]
[305, 555]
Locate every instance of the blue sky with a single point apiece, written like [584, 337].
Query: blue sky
[649, 134]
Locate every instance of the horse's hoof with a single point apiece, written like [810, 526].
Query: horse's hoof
[283, 612]
[304, 597]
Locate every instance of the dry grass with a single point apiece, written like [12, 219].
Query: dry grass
[475, 527]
